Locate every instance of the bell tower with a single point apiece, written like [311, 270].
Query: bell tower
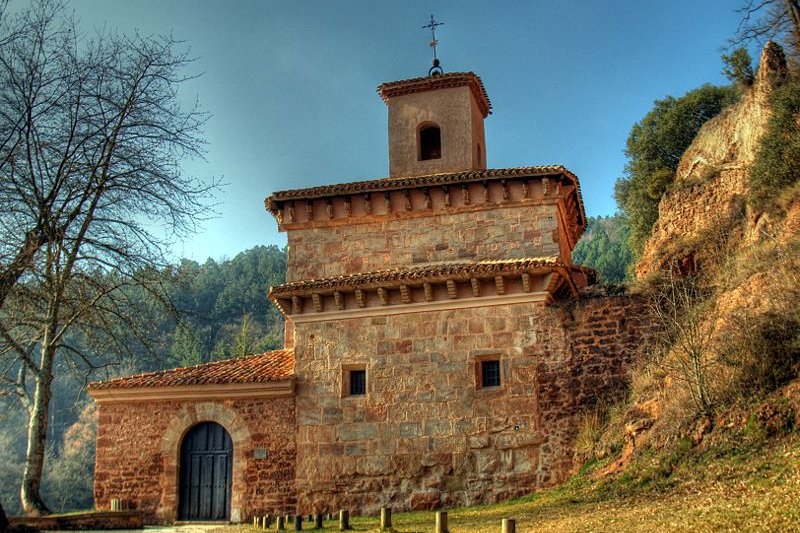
[436, 124]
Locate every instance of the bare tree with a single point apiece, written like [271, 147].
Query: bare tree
[92, 134]
[763, 20]
[679, 304]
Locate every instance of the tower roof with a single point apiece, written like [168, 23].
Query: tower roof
[439, 81]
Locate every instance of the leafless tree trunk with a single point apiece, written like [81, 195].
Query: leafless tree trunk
[91, 138]
[3, 520]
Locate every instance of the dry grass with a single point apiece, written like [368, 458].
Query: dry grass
[728, 487]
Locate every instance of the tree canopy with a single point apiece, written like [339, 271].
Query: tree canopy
[605, 248]
[654, 149]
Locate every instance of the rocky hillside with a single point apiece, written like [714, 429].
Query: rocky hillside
[712, 177]
[722, 275]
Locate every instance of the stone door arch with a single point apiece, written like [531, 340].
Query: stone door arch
[178, 427]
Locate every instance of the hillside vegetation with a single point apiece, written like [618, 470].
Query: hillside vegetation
[713, 401]
[605, 247]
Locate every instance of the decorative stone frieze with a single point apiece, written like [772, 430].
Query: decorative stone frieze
[465, 282]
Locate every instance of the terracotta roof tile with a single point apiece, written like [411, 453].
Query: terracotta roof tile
[277, 365]
[418, 274]
[388, 184]
[439, 81]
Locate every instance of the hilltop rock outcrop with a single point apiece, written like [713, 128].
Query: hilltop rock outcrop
[711, 180]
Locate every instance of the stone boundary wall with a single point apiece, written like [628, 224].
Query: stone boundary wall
[98, 520]
[607, 332]
[138, 448]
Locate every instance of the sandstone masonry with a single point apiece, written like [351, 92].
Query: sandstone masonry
[439, 343]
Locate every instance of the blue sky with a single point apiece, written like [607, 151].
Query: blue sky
[291, 85]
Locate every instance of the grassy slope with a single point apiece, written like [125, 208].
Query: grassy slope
[738, 486]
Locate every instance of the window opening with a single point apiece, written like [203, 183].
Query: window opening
[430, 143]
[490, 373]
[358, 382]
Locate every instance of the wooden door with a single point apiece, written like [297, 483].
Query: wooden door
[206, 461]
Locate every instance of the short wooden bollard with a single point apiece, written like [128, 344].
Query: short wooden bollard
[298, 523]
[509, 525]
[255, 522]
[318, 521]
[344, 520]
[279, 523]
[386, 518]
[441, 522]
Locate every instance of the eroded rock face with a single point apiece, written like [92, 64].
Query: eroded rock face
[711, 179]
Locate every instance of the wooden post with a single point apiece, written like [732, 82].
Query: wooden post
[279, 523]
[344, 520]
[298, 523]
[116, 504]
[318, 521]
[386, 518]
[441, 522]
[255, 521]
[509, 525]
[267, 521]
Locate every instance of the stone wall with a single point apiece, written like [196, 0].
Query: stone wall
[606, 332]
[426, 435]
[498, 233]
[455, 111]
[138, 445]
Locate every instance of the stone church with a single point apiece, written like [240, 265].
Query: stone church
[439, 344]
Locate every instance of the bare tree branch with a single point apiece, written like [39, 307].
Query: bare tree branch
[92, 136]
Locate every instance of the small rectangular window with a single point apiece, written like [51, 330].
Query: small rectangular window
[490, 373]
[358, 382]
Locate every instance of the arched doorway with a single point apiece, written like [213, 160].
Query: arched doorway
[205, 473]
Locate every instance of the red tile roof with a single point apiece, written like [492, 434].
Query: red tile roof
[421, 274]
[277, 365]
[428, 180]
[439, 81]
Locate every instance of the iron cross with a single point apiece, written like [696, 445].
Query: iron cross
[432, 26]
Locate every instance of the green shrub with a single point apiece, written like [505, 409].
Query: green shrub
[738, 66]
[764, 349]
[777, 164]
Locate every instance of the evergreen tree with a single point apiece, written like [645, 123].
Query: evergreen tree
[654, 149]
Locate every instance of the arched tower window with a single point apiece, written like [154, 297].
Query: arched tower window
[430, 142]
